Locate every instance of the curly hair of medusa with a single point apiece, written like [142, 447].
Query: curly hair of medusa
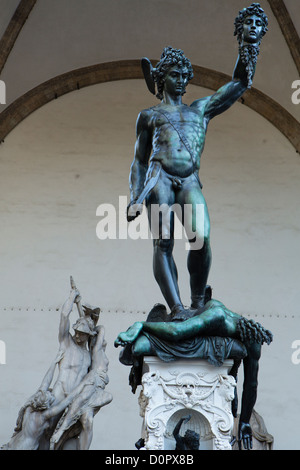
[169, 58]
[254, 9]
[251, 331]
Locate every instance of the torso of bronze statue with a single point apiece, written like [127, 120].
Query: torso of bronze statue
[167, 146]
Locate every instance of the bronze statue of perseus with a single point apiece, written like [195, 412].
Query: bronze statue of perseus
[170, 139]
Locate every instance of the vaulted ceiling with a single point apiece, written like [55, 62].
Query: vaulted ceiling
[52, 47]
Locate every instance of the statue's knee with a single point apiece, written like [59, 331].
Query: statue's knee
[87, 422]
[199, 242]
[206, 240]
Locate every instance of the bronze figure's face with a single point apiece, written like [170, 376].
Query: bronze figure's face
[251, 24]
[171, 59]
[253, 29]
[176, 80]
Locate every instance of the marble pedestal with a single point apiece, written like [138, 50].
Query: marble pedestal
[176, 389]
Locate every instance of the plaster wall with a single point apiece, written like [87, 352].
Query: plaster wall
[73, 155]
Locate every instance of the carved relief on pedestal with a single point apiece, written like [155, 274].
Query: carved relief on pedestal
[171, 391]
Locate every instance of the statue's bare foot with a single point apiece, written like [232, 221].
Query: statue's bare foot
[129, 336]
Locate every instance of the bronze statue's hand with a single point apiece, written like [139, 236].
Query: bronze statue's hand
[133, 210]
[245, 436]
[187, 418]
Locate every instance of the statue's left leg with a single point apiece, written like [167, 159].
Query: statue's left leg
[197, 228]
[199, 262]
[161, 220]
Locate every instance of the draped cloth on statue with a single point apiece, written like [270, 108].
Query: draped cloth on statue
[214, 349]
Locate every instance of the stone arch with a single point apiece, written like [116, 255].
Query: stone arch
[52, 89]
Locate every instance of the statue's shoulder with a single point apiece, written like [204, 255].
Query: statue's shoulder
[148, 111]
[146, 117]
[200, 104]
[146, 114]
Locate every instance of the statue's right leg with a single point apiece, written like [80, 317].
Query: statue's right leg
[161, 221]
[165, 271]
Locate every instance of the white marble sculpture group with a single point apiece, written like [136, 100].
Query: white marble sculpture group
[60, 416]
